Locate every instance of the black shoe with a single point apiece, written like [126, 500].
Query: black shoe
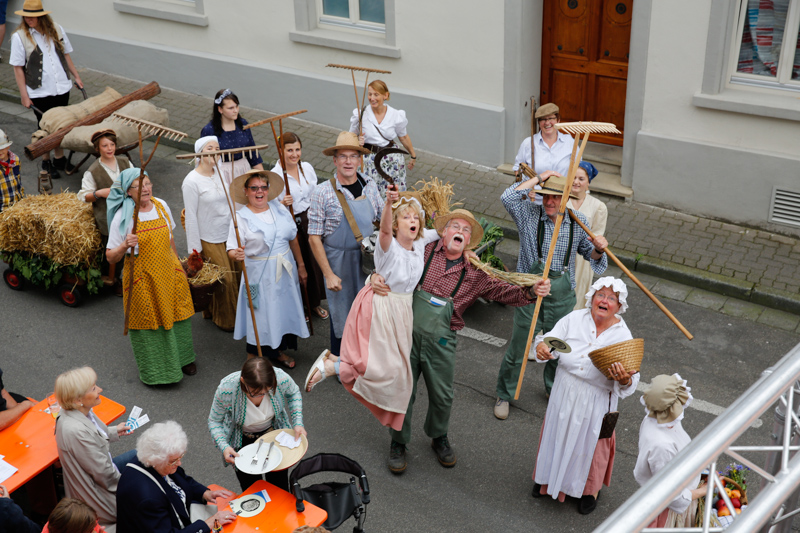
[51, 169]
[190, 369]
[397, 458]
[537, 491]
[588, 503]
[61, 163]
[444, 453]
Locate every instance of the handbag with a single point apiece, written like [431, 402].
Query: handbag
[609, 421]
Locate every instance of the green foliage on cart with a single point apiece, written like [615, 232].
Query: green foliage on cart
[41, 270]
[491, 232]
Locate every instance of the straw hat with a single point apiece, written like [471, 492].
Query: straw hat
[274, 181]
[545, 110]
[4, 142]
[477, 230]
[346, 140]
[32, 8]
[555, 186]
[666, 398]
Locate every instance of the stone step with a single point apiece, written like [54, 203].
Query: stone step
[603, 153]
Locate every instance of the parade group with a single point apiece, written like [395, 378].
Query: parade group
[302, 247]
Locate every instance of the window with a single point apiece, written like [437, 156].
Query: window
[184, 11]
[366, 15]
[767, 39]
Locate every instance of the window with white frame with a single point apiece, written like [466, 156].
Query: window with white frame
[767, 44]
[366, 15]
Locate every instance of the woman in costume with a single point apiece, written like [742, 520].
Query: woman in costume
[249, 404]
[572, 460]
[377, 127]
[597, 213]
[661, 437]
[303, 182]
[161, 305]
[208, 218]
[275, 268]
[227, 126]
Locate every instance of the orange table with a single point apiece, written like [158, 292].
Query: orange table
[279, 516]
[30, 443]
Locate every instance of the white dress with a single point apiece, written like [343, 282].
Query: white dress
[597, 213]
[578, 401]
[301, 192]
[270, 265]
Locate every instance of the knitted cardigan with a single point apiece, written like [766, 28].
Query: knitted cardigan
[227, 414]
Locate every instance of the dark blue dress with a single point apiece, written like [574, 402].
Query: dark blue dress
[234, 139]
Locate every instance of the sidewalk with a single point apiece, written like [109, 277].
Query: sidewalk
[755, 267]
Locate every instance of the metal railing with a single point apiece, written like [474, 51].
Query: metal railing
[768, 510]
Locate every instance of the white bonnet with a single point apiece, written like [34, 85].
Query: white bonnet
[201, 143]
[617, 285]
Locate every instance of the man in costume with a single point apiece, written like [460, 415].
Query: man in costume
[339, 217]
[447, 288]
[536, 224]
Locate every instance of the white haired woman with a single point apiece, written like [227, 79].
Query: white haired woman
[155, 494]
[90, 473]
[661, 437]
[572, 459]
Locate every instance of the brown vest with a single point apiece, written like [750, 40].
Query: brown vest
[102, 181]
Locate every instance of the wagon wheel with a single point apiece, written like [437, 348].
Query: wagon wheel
[14, 279]
[70, 295]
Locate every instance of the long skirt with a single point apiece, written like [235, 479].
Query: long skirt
[376, 345]
[393, 164]
[223, 304]
[161, 353]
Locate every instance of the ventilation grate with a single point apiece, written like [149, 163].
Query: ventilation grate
[785, 207]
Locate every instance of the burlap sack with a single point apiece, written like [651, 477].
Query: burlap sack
[80, 138]
[59, 117]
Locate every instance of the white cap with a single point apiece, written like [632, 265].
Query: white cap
[4, 142]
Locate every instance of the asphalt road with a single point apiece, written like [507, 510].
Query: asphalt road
[488, 490]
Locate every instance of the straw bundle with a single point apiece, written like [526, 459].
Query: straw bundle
[210, 273]
[436, 197]
[514, 278]
[59, 227]
[629, 353]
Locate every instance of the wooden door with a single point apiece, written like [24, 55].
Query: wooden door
[585, 47]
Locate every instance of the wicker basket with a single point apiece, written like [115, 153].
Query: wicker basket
[728, 480]
[629, 353]
[201, 294]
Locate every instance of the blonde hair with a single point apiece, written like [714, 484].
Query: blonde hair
[380, 87]
[72, 385]
[401, 209]
[46, 27]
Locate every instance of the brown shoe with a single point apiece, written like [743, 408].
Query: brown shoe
[190, 369]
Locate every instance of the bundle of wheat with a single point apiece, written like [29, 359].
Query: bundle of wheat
[514, 278]
[436, 197]
[60, 227]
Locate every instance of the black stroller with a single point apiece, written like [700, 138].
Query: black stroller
[340, 500]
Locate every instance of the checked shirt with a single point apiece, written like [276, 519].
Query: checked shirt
[10, 184]
[325, 213]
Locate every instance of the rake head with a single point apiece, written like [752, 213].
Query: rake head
[362, 69]
[249, 151]
[276, 118]
[575, 128]
[528, 171]
[150, 128]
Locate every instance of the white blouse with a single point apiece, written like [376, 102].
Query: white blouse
[254, 244]
[393, 125]
[257, 418]
[115, 238]
[207, 213]
[400, 267]
[301, 192]
[88, 185]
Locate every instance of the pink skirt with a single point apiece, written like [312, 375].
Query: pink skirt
[374, 362]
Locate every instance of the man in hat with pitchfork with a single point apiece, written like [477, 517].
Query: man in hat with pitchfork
[340, 216]
[447, 288]
[536, 224]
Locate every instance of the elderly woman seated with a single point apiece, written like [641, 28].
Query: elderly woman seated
[572, 459]
[156, 495]
[90, 473]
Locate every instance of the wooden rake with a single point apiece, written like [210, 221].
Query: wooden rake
[279, 145]
[145, 128]
[231, 209]
[361, 106]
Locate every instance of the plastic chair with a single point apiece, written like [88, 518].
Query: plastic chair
[340, 500]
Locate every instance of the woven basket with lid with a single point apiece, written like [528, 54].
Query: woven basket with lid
[629, 353]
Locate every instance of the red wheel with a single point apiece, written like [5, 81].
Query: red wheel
[13, 279]
[69, 296]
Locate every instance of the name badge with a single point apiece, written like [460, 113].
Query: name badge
[438, 302]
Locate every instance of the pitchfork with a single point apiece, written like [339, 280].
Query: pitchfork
[150, 128]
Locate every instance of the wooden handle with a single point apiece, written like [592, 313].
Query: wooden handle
[636, 281]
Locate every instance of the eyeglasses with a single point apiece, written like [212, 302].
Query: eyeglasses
[548, 119]
[177, 461]
[351, 157]
[256, 188]
[147, 185]
[460, 228]
[609, 298]
[247, 391]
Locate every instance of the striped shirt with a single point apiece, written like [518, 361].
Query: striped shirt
[527, 216]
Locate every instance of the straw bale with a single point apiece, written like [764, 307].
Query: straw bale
[60, 227]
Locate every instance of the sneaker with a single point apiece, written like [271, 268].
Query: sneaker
[49, 167]
[397, 458]
[501, 409]
[61, 163]
[444, 453]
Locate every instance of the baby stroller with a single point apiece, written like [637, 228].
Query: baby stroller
[340, 500]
